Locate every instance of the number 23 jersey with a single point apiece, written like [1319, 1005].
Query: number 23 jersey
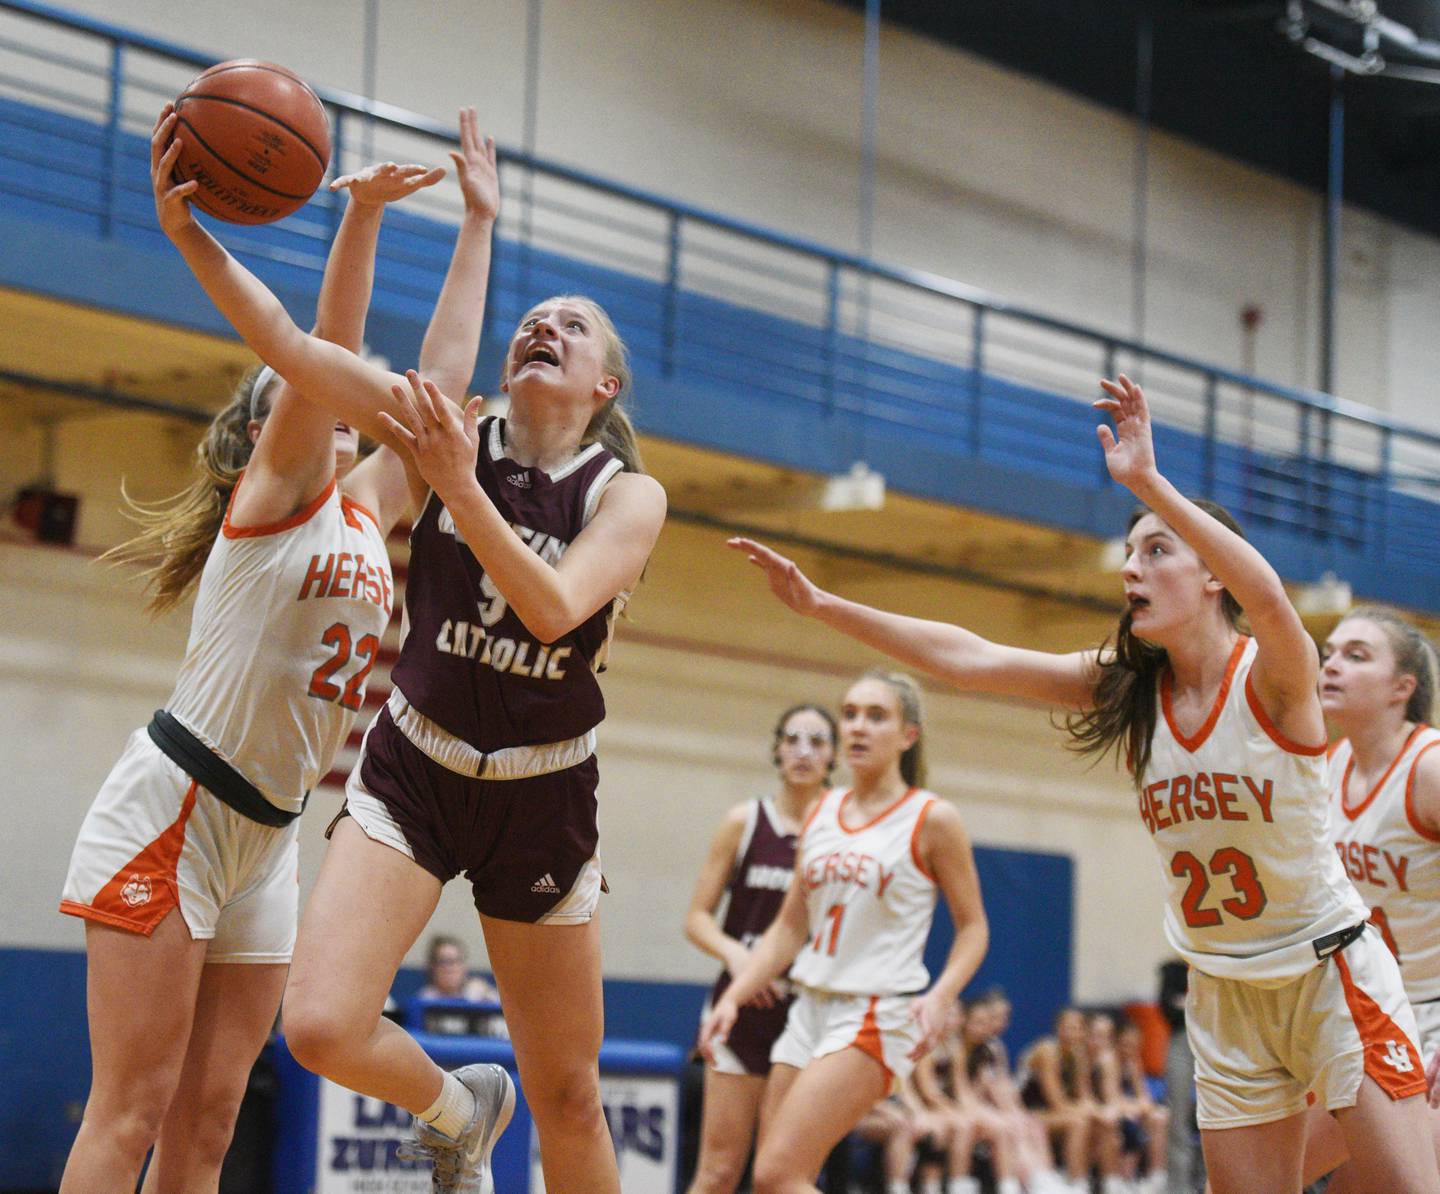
[1240, 818]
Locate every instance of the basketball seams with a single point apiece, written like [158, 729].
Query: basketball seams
[255, 182]
[275, 120]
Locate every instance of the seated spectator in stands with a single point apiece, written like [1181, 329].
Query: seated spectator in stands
[888, 1125]
[447, 978]
[943, 1079]
[987, 1071]
[1057, 1087]
[1151, 1122]
[1109, 1134]
[933, 1128]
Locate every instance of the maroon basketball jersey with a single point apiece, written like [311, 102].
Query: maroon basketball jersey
[764, 866]
[467, 662]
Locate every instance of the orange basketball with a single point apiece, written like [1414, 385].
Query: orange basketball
[255, 137]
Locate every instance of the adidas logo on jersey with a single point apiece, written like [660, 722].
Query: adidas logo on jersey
[519, 480]
[1398, 1055]
[136, 890]
[545, 885]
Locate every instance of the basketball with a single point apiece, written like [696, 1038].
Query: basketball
[255, 137]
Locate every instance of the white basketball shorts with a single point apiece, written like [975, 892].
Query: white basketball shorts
[1427, 1019]
[154, 840]
[821, 1023]
[1258, 1050]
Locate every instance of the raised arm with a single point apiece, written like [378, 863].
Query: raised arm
[1287, 664]
[944, 847]
[452, 339]
[296, 456]
[354, 390]
[950, 652]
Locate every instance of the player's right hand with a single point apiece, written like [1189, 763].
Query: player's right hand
[787, 582]
[386, 182]
[715, 1028]
[172, 207]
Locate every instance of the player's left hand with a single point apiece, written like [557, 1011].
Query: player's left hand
[929, 1012]
[476, 169]
[442, 439]
[385, 182]
[1129, 448]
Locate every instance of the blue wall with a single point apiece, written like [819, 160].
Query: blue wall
[714, 373]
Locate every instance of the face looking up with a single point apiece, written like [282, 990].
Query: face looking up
[561, 345]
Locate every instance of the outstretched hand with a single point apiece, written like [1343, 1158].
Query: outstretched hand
[1129, 449]
[441, 438]
[172, 201]
[929, 1012]
[385, 182]
[476, 169]
[715, 1027]
[787, 582]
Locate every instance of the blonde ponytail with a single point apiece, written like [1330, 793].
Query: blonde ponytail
[178, 532]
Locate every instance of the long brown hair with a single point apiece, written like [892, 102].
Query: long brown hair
[177, 532]
[1123, 713]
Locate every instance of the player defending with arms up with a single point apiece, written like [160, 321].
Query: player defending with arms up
[531, 531]
[185, 868]
[1223, 736]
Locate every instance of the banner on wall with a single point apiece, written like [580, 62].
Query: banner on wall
[358, 1141]
[643, 1115]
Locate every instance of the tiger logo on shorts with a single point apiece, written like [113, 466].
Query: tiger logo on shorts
[136, 890]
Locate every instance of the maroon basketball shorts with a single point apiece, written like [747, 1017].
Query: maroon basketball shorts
[746, 1050]
[527, 845]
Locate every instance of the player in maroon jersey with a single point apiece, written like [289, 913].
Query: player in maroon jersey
[531, 531]
[751, 860]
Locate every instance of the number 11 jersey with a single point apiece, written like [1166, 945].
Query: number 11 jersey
[1240, 818]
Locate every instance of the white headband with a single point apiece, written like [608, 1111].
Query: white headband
[257, 388]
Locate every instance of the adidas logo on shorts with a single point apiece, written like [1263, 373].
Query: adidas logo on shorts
[545, 885]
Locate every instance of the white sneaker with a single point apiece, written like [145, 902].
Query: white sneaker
[462, 1165]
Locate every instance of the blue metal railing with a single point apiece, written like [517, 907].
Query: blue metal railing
[705, 297]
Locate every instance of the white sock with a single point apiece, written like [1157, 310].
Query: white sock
[963, 1185]
[451, 1110]
[898, 1185]
[1007, 1185]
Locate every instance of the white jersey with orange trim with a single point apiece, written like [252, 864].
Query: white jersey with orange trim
[286, 628]
[1240, 818]
[869, 900]
[1394, 863]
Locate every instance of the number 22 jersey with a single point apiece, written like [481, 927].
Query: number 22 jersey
[1240, 818]
[286, 628]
